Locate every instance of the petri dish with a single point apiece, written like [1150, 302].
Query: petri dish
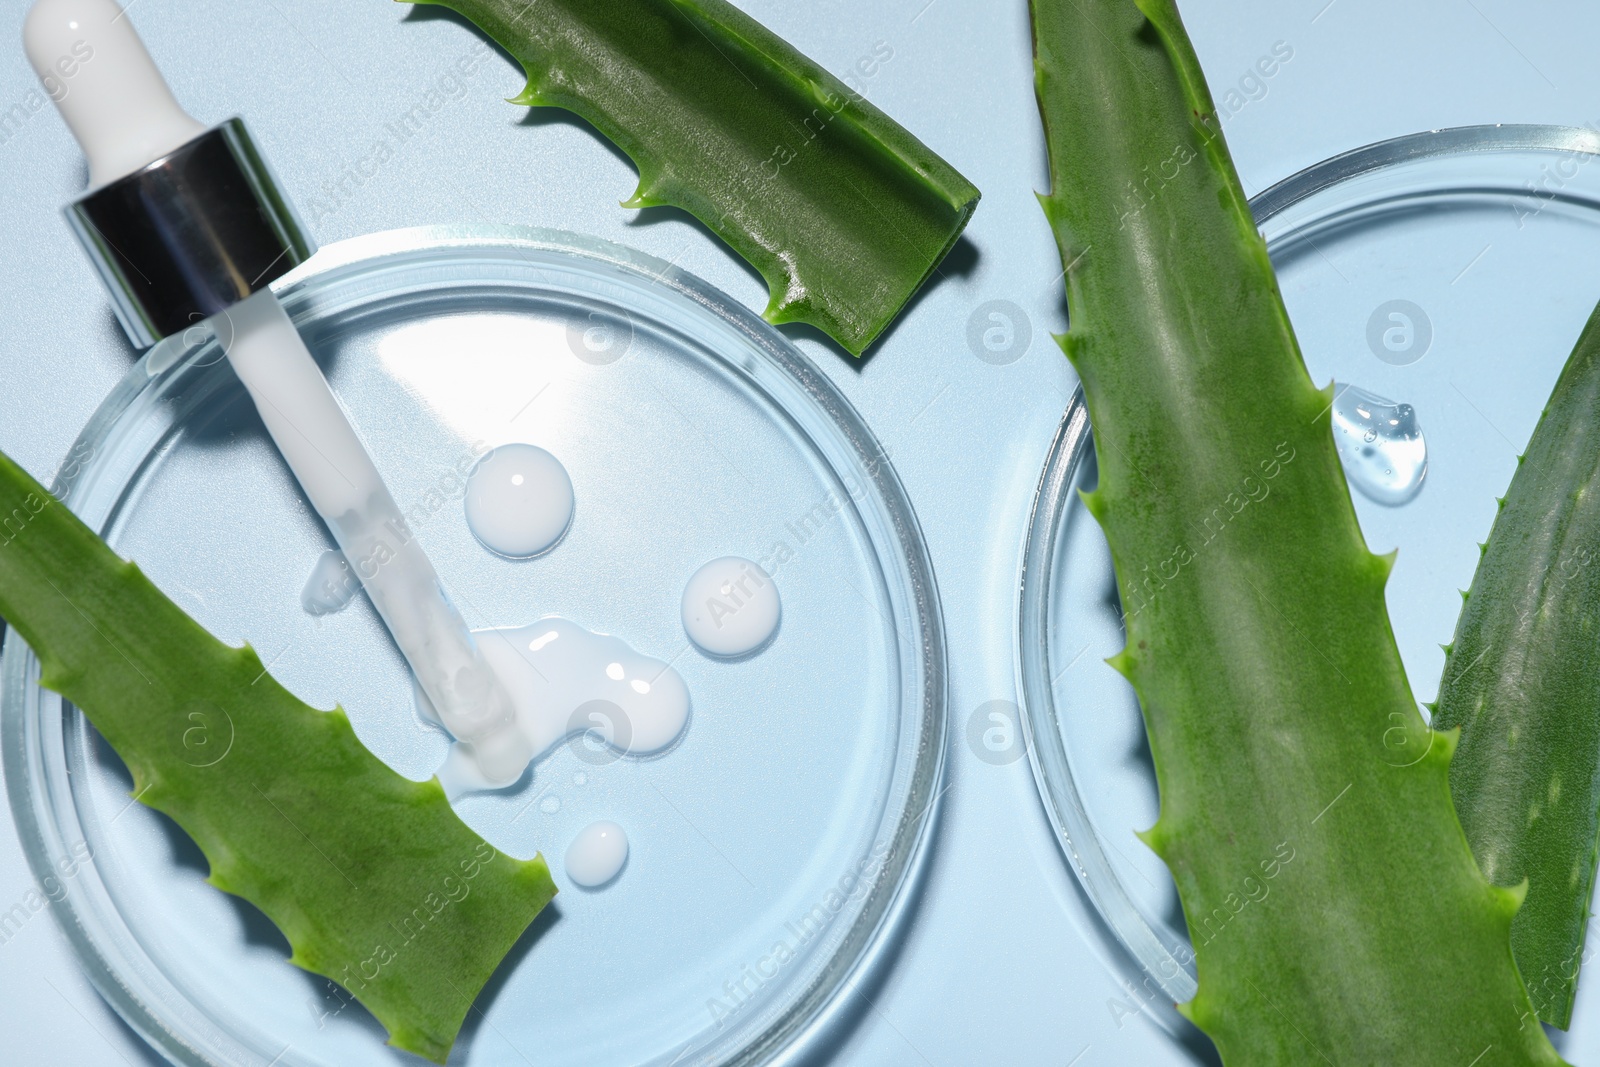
[795, 809]
[1450, 271]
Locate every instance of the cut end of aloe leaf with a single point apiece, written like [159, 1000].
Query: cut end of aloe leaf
[841, 210]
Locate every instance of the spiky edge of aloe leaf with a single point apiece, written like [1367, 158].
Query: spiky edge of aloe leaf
[1334, 905]
[372, 878]
[843, 212]
[1522, 682]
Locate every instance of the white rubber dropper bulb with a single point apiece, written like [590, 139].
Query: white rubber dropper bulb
[105, 85]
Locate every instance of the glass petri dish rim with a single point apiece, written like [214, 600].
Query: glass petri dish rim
[1162, 953]
[35, 732]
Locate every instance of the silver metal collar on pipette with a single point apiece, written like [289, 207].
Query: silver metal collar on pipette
[190, 234]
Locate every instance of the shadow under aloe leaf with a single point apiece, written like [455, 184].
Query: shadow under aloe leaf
[657, 214]
[184, 854]
[1138, 755]
[1559, 1038]
[181, 848]
[430, 12]
[534, 116]
[547, 116]
[477, 1015]
[259, 931]
[256, 929]
[1136, 758]
[1194, 1044]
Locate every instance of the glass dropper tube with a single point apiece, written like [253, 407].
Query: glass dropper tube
[337, 474]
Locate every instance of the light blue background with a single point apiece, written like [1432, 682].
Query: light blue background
[1003, 963]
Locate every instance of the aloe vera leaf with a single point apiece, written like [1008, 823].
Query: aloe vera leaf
[843, 212]
[1335, 908]
[1522, 682]
[372, 878]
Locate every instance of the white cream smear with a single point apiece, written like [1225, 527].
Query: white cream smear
[519, 500]
[597, 854]
[730, 607]
[563, 681]
[560, 678]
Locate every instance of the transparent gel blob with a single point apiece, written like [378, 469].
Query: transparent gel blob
[1381, 445]
[519, 500]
